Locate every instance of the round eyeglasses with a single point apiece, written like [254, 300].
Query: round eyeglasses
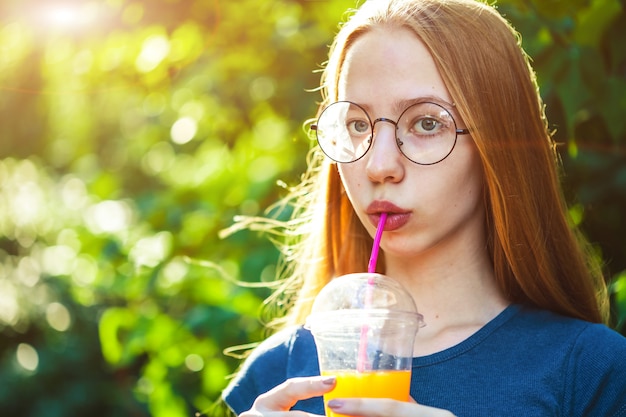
[425, 132]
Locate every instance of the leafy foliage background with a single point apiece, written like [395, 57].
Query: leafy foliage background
[133, 131]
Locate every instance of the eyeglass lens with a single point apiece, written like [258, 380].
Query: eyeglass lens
[425, 132]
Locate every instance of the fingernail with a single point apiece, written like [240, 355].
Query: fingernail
[329, 380]
[335, 404]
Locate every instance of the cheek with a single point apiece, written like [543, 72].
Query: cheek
[471, 181]
[348, 174]
[460, 179]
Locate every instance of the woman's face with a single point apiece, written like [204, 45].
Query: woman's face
[430, 207]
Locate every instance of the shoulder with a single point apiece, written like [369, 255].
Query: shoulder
[286, 354]
[562, 329]
[275, 346]
[575, 337]
[593, 358]
[597, 372]
[284, 343]
[600, 337]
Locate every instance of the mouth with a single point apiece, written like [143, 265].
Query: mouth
[396, 216]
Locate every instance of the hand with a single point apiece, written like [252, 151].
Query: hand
[278, 401]
[377, 407]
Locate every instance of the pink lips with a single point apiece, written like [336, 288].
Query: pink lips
[396, 216]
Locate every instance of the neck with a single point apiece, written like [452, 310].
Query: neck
[457, 295]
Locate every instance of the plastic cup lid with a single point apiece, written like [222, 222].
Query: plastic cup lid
[352, 295]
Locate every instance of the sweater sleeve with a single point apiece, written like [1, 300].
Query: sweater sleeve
[597, 374]
[287, 354]
[260, 372]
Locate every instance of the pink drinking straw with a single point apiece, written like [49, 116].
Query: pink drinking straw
[371, 268]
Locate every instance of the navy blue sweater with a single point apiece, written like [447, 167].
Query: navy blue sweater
[525, 362]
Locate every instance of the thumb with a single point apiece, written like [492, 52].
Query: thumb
[287, 394]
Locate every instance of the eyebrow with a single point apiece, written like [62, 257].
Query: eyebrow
[400, 105]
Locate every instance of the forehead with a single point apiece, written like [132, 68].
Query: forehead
[389, 65]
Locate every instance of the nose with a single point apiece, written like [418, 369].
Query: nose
[385, 163]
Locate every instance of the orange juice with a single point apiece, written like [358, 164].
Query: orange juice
[374, 384]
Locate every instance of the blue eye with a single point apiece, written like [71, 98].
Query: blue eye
[358, 126]
[426, 125]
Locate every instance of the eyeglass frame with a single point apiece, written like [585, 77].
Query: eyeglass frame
[457, 131]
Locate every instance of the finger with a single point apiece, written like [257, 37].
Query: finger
[253, 413]
[383, 407]
[287, 394]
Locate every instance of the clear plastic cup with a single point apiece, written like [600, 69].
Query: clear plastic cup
[364, 326]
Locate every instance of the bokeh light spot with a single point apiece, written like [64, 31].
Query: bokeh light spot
[74, 193]
[62, 15]
[159, 158]
[154, 50]
[287, 26]
[184, 130]
[194, 362]
[58, 317]
[58, 260]
[108, 217]
[9, 307]
[27, 357]
[262, 88]
[173, 273]
[28, 271]
[85, 271]
[152, 250]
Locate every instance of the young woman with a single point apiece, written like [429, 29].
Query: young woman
[431, 114]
